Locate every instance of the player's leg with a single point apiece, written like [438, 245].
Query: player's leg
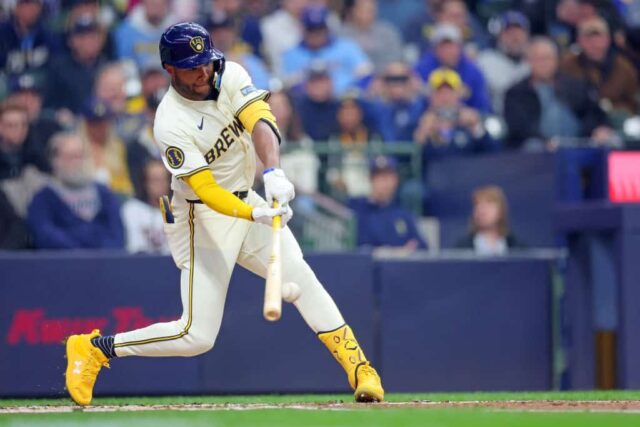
[206, 265]
[314, 304]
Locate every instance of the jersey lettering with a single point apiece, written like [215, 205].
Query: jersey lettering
[224, 141]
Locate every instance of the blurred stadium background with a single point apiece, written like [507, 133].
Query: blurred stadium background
[466, 184]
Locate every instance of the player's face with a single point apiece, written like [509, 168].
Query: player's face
[192, 83]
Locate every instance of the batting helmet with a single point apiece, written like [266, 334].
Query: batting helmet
[188, 45]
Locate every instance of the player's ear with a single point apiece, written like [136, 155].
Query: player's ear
[170, 69]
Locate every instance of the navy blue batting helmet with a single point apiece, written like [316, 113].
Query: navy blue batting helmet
[187, 45]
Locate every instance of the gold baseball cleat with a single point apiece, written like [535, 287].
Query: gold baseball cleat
[368, 384]
[84, 362]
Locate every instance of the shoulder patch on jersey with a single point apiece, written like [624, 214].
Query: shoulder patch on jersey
[175, 157]
[247, 90]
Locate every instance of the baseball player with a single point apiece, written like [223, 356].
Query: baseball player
[210, 126]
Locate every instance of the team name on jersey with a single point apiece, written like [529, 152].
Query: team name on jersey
[229, 135]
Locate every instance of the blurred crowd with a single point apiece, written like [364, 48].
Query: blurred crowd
[80, 81]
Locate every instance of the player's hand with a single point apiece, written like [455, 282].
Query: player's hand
[265, 215]
[278, 187]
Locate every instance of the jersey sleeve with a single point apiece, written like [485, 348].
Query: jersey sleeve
[179, 152]
[240, 88]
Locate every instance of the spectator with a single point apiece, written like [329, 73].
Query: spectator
[506, 64]
[128, 117]
[351, 126]
[317, 105]
[551, 104]
[474, 36]
[454, 12]
[562, 29]
[607, 70]
[281, 31]
[447, 52]
[381, 221]
[225, 38]
[71, 75]
[142, 217]
[73, 211]
[287, 117]
[107, 153]
[298, 161]
[402, 13]
[448, 126]
[25, 43]
[13, 231]
[380, 41]
[26, 92]
[348, 63]
[16, 151]
[401, 104]
[489, 232]
[142, 147]
[136, 38]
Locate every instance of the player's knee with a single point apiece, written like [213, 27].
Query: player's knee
[200, 343]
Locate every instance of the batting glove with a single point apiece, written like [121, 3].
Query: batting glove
[265, 215]
[277, 186]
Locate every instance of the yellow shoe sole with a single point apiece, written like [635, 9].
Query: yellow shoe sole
[364, 394]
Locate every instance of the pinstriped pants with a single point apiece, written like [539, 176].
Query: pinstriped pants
[206, 245]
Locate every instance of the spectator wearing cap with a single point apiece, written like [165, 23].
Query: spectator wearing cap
[73, 211]
[107, 152]
[614, 77]
[27, 91]
[381, 221]
[281, 31]
[141, 215]
[380, 41]
[16, 151]
[224, 36]
[506, 64]
[473, 36]
[446, 51]
[25, 43]
[448, 126]
[551, 104]
[317, 105]
[347, 62]
[136, 38]
[71, 75]
[400, 104]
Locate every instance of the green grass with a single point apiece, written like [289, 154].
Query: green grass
[367, 416]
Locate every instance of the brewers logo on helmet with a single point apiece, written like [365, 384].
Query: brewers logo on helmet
[188, 45]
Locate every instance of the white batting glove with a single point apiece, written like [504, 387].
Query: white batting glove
[265, 215]
[277, 186]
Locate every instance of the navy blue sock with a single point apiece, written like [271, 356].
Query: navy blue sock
[105, 344]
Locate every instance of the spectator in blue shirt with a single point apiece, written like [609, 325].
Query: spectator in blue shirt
[74, 212]
[25, 43]
[448, 126]
[401, 105]
[317, 106]
[347, 63]
[224, 36]
[136, 38]
[381, 221]
[447, 52]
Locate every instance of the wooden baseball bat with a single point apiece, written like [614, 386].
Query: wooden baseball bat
[273, 287]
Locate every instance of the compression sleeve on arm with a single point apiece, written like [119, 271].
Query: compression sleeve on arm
[256, 111]
[216, 197]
